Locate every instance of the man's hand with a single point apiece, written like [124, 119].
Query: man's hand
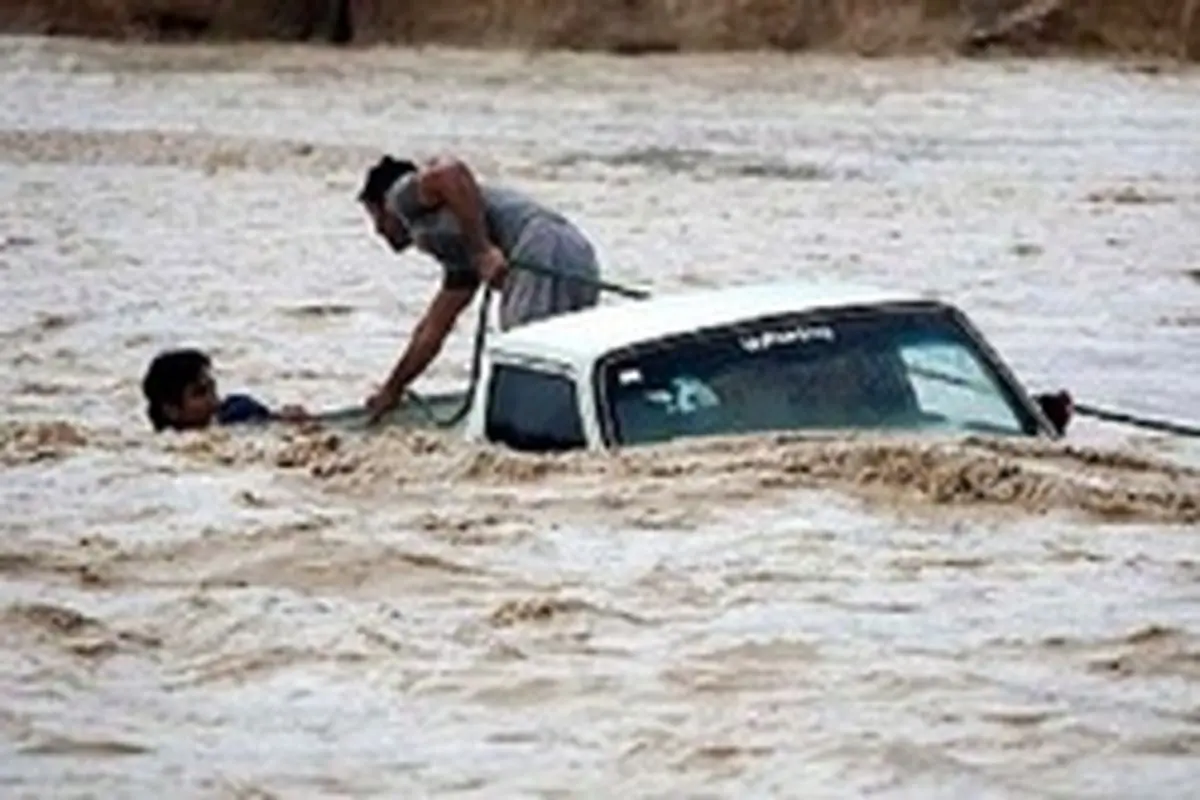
[1058, 407]
[380, 403]
[294, 414]
[492, 266]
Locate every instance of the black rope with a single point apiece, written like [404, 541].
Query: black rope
[481, 335]
[615, 288]
[1136, 420]
[1166, 426]
[476, 367]
[356, 413]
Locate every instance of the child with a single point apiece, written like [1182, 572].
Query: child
[181, 394]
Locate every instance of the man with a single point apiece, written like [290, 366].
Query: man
[473, 231]
[181, 395]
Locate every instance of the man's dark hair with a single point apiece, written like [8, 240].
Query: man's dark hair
[166, 379]
[380, 178]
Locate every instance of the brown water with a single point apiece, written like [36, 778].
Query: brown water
[270, 614]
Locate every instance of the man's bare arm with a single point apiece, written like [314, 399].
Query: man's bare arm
[449, 182]
[428, 337]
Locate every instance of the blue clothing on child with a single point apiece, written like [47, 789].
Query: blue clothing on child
[238, 408]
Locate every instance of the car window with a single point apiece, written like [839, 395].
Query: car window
[909, 367]
[533, 410]
[951, 383]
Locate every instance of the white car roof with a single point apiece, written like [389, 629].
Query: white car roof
[583, 336]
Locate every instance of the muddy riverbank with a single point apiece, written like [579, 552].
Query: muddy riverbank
[868, 27]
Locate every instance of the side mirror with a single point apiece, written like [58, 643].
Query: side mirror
[1058, 408]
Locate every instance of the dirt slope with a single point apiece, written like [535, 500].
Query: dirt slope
[877, 27]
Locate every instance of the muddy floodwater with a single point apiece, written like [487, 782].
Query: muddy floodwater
[319, 613]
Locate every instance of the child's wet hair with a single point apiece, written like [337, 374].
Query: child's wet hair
[166, 379]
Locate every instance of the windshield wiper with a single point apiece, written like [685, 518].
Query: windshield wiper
[952, 379]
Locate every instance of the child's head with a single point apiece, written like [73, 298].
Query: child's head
[180, 392]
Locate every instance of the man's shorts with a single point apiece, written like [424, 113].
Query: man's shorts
[556, 246]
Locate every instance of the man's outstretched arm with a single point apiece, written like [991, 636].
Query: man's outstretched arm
[424, 345]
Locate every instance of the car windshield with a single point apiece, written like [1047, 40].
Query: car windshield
[909, 367]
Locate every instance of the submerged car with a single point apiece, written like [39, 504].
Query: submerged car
[743, 360]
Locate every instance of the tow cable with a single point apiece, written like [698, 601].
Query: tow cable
[340, 415]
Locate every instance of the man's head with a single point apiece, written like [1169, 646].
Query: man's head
[379, 179]
[180, 392]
